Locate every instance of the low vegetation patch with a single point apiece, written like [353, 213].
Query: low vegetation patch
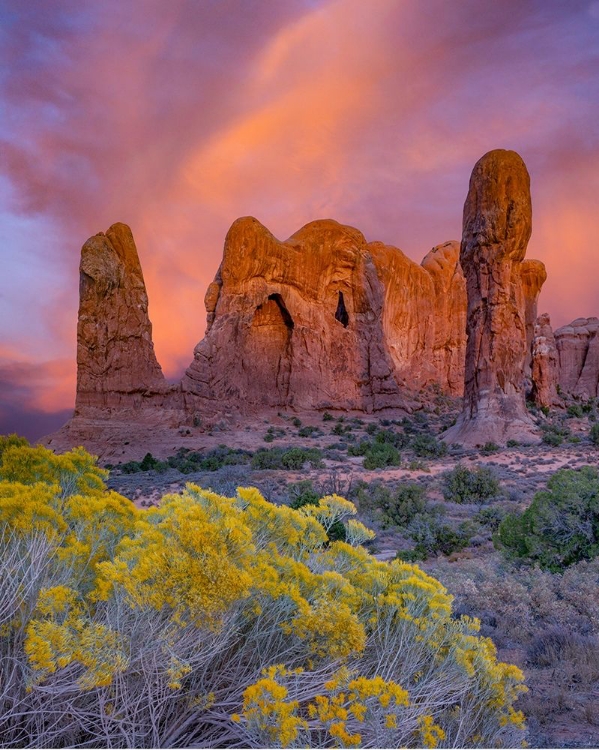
[427, 446]
[395, 506]
[561, 525]
[463, 485]
[187, 461]
[287, 458]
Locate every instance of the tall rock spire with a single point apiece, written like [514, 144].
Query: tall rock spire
[116, 363]
[497, 225]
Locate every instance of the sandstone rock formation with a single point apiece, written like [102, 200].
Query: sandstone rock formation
[578, 352]
[496, 229]
[533, 275]
[544, 364]
[327, 320]
[116, 364]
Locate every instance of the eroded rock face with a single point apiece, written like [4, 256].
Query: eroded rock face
[496, 229]
[578, 352]
[450, 303]
[533, 275]
[544, 363]
[116, 363]
[324, 319]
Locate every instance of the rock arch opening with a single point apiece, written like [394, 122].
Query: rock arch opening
[287, 319]
[269, 342]
[341, 313]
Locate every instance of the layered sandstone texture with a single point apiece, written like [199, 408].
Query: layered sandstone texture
[327, 320]
[578, 353]
[497, 225]
[116, 363]
[545, 364]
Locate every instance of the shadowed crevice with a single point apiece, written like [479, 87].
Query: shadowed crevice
[341, 313]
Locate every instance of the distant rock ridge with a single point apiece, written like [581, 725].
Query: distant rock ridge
[327, 320]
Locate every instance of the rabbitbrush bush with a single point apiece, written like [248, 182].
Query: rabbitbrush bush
[223, 621]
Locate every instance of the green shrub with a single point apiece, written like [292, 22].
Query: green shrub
[295, 458]
[380, 455]
[148, 462]
[427, 446]
[296, 422]
[432, 537]
[286, 458]
[309, 431]
[554, 434]
[303, 493]
[326, 417]
[552, 438]
[462, 485]
[391, 506]
[490, 517]
[561, 525]
[575, 410]
[588, 406]
[489, 447]
[398, 439]
[512, 443]
[360, 449]
[594, 434]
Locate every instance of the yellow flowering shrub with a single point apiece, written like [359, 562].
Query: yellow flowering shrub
[268, 716]
[182, 560]
[223, 621]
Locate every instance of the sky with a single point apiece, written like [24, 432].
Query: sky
[178, 117]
